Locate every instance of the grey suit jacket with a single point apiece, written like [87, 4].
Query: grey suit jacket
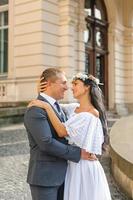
[48, 152]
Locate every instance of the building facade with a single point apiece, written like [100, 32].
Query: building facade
[92, 36]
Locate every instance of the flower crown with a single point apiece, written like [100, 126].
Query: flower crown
[85, 77]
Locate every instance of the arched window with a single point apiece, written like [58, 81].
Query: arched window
[95, 38]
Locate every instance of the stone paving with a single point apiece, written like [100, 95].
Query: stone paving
[14, 155]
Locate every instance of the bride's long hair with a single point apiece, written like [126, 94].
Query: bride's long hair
[97, 100]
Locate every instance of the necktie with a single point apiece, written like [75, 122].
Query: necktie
[60, 112]
[58, 107]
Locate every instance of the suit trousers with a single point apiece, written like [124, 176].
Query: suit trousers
[46, 193]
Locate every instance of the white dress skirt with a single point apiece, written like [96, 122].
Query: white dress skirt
[85, 180]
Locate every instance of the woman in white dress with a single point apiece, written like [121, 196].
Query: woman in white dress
[86, 127]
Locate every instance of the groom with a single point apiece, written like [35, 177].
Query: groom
[48, 152]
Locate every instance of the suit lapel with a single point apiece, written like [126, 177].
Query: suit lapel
[45, 100]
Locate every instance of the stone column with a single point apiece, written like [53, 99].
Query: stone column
[66, 52]
[123, 70]
[67, 36]
[80, 45]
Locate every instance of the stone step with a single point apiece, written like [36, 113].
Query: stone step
[13, 137]
[11, 115]
[111, 121]
[14, 156]
[112, 117]
[12, 133]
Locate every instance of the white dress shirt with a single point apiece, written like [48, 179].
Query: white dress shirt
[51, 100]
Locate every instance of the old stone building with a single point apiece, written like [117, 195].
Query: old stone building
[93, 36]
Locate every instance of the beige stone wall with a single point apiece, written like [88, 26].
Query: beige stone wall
[49, 33]
[124, 67]
[120, 40]
[42, 34]
[25, 50]
[71, 46]
[27, 38]
[33, 45]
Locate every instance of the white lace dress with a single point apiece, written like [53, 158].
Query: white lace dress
[85, 180]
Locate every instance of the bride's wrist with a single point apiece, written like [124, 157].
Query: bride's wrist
[46, 107]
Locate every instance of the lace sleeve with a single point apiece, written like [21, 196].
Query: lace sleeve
[86, 132]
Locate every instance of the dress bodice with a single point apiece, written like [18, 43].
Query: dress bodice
[84, 130]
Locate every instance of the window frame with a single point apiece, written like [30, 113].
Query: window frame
[93, 51]
[4, 8]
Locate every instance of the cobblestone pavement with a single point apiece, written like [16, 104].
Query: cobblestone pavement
[14, 155]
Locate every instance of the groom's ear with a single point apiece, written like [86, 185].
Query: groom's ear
[49, 83]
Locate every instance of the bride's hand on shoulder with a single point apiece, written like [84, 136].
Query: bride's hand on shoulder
[41, 86]
[39, 103]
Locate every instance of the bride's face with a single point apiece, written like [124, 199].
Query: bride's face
[79, 89]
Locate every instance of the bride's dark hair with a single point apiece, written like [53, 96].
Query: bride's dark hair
[97, 101]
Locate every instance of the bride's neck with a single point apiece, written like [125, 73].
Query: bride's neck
[85, 102]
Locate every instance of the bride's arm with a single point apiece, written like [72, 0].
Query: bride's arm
[59, 127]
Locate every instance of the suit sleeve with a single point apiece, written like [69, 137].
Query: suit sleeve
[37, 125]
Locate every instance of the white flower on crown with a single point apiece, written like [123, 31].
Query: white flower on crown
[96, 80]
[81, 76]
[85, 77]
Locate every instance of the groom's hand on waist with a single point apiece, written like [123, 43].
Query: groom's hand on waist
[88, 156]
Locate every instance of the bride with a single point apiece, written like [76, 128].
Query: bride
[86, 127]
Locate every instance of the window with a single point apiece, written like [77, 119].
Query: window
[95, 40]
[3, 36]
[3, 2]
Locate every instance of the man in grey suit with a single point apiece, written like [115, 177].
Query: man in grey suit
[48, 152]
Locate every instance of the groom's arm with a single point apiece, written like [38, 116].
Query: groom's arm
[37, 124]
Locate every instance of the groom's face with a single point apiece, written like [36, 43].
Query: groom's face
[58, 87]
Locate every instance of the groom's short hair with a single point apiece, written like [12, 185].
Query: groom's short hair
[51, 74]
